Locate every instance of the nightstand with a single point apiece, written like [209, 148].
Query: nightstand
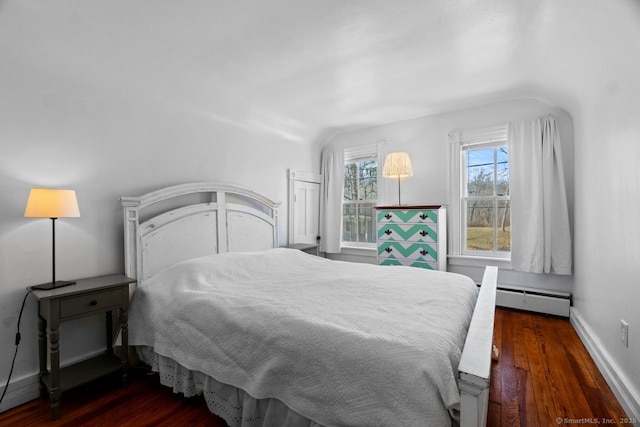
[310, 248]
[86, 297]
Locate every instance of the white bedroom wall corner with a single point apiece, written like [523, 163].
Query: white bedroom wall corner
[625, 391]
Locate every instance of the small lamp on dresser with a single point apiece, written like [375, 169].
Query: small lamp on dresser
[397, 165]
[52, 203]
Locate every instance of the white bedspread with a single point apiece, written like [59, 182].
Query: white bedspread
[341, 343]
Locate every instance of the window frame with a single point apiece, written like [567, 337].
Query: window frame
[459, 142]
[494, 198]
[358, 154]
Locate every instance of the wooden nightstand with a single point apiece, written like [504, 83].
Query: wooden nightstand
[87, 297]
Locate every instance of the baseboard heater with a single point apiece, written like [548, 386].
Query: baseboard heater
[548, 302]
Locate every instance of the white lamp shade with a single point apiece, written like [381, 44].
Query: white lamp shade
[51, 203]
[397, 165]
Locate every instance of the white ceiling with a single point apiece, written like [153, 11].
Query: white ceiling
[306, 69]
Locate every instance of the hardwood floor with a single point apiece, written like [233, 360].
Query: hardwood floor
[105, 402]
[545, 376]
[544, 373]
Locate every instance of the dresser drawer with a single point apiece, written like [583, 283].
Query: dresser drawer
[407, 251]
[409, 263]
[86, 303]
[407, 233]
[413, 216]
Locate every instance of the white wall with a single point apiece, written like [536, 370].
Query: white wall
[607, 226]
[104, 140]
[602, 97]
[425, 139]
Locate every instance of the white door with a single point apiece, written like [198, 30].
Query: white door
[306, 211]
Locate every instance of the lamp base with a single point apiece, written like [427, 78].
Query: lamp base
[53, 285]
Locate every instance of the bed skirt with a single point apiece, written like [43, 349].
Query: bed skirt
[232, 404]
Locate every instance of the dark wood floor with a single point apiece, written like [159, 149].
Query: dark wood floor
[105, 402]
[543, 374]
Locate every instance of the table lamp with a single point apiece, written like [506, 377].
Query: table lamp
[397, 164]
[54, 204]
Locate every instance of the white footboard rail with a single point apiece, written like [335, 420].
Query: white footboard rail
[474, 370]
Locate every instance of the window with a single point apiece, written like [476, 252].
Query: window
[360, 197]
[485, 198]
[480, 193]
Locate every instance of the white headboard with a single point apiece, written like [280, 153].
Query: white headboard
[191, 220]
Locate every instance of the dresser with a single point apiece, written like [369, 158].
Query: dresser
[412, 235]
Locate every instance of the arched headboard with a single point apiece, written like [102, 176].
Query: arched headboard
[185, 221]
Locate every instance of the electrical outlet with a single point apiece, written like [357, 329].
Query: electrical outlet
[624, 333]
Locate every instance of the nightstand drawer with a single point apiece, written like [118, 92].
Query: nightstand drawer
[86, 303]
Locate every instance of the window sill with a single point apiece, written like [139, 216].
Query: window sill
[478, 261]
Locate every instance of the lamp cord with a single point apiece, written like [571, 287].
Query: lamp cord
[17, 343]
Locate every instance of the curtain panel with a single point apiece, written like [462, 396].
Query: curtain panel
[331, 194]
[540, 233]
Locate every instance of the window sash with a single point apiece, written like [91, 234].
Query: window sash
[364, 232]
[364, 224]
[496, 216]
[494, 200]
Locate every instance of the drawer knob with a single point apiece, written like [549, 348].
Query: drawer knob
[388, 216]
[93, 302]
[423, 216]
[388, 249]
[423, 233]
[423, 252]
[388, 232]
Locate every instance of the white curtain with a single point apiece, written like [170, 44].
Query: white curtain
[331, 189]
[540, 234]
[381, 148]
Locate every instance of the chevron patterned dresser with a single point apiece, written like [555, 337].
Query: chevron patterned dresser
[412, 235]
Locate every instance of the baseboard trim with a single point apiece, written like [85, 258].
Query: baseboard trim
[27, 388]
[20, 391]
[535, 300]
[624, 390]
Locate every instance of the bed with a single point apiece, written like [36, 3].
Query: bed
[275, 336]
